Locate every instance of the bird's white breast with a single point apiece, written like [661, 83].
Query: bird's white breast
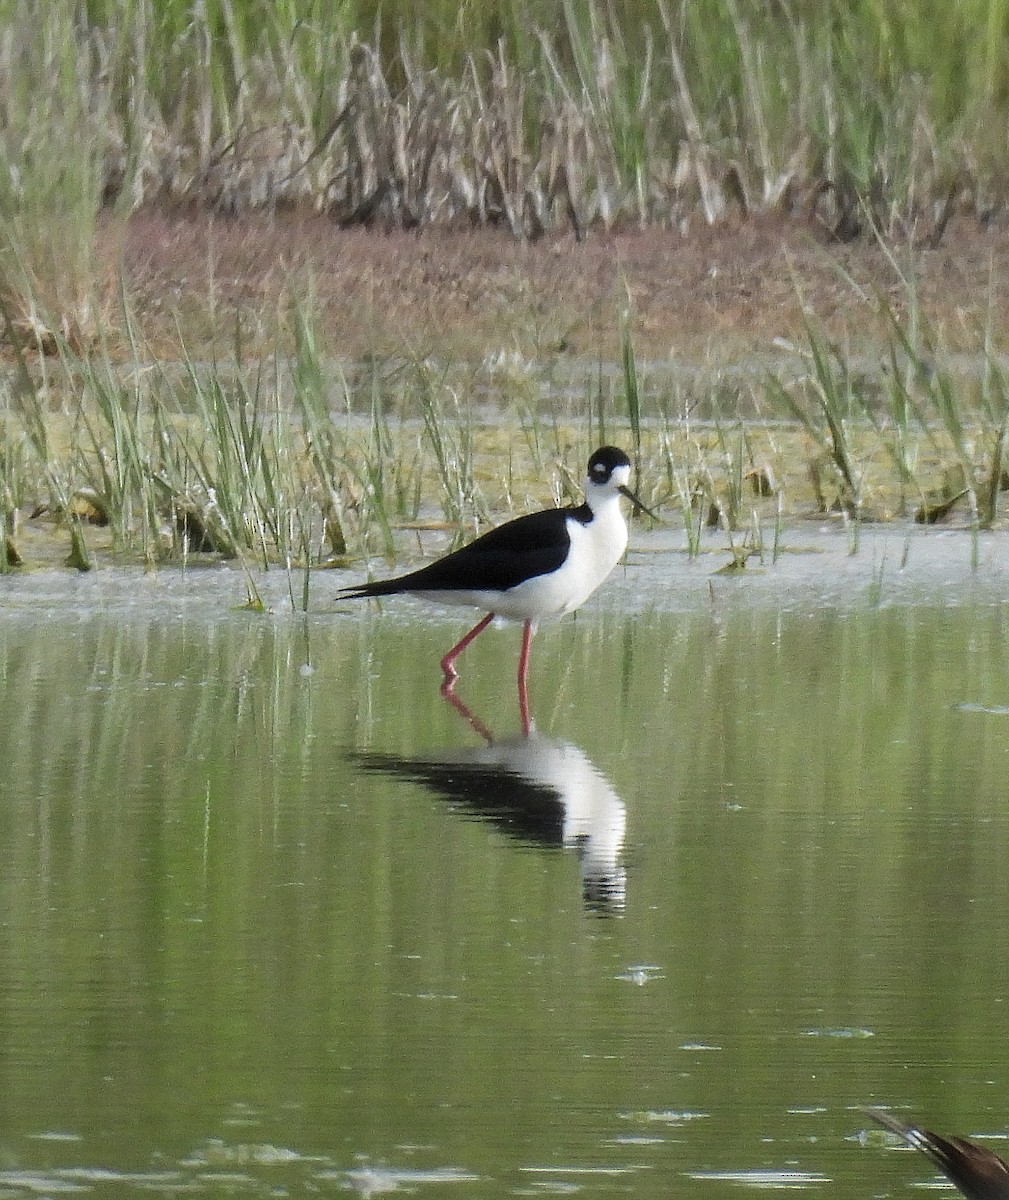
[595, 549]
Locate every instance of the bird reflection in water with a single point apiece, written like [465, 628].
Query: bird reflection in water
[538, 790]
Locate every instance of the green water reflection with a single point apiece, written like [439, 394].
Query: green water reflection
[247, 945]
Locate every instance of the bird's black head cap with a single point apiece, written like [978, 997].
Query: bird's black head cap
[605, 461]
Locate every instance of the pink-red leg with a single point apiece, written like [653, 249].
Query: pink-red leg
[448, 662]
[528, 629]
[448, 692]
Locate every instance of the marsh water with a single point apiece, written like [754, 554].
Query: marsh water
[277, 919]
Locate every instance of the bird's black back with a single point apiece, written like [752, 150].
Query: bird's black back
[496, 561]
[526, 810]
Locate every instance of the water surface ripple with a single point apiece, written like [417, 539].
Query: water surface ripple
[274, 917]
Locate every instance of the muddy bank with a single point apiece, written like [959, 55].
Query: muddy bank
[714, 295]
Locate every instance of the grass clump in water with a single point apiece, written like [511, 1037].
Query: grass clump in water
[296, 461]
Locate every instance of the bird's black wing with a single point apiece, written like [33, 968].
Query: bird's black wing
[496, 561]
[528, 811]
[978, 1172]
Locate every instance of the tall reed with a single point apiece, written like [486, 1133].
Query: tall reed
[531, 114]
[56, 125]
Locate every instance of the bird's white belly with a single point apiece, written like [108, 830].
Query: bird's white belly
[595, 550]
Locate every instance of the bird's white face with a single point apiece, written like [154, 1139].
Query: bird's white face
[607, 481]
[608, 477]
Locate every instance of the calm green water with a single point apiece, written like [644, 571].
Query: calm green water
[275, 920]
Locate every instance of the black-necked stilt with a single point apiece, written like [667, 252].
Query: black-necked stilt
[543, 564]
[977, 1172]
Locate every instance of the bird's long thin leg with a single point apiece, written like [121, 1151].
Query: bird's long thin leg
[448, 662]
[463, 709]
[528, 629]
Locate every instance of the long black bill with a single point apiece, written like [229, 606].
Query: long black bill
[638, 506]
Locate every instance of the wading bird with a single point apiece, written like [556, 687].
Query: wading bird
[540, 565]
[978, 1173]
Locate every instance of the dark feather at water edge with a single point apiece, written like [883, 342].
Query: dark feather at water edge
[978, 1172]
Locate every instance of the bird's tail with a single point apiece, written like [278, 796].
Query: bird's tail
[361, 591]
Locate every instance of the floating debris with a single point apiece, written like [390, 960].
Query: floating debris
[839, 1033]
[375, 1181]
[641, 974]
[764, 1179]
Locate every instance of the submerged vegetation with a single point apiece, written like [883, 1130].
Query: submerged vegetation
[296, 463]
